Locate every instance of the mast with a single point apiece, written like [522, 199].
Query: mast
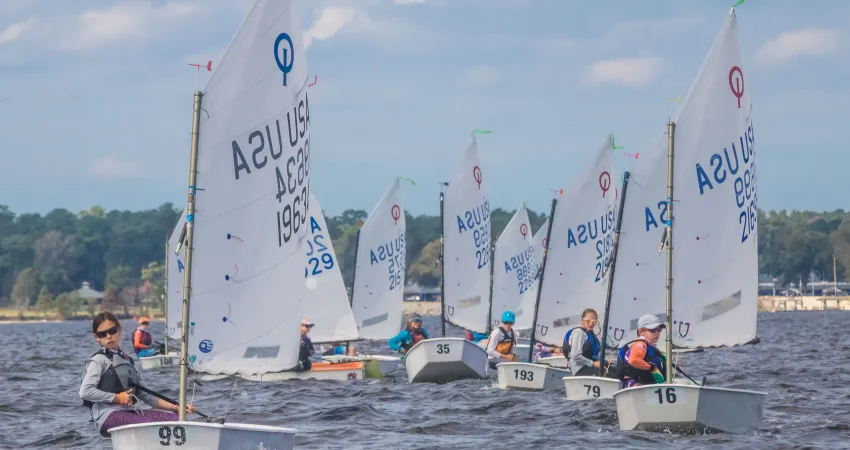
[540, 281]
[353, 281]
[834, 277]
[490, 311]
[671, 129]
[442, 265]
[165, 298]
[187, 270]
[613, 265]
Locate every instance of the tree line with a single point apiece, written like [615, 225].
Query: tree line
[45, 258]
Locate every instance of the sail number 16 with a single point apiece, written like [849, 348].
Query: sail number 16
[661, 396]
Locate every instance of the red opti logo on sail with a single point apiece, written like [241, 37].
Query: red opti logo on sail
[396, 213]
[604, 182]
[523, 229]
[476, 173]
[736, 83]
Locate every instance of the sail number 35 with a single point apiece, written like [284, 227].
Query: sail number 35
[166, 434]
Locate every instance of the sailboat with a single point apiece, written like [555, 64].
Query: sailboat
[378, 286]
[247, 219]
[465, 284]
[573, 276]
[711, 278]
[515, 274]
[173, 299]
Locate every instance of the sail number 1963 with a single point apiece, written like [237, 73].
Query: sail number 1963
[294, 185]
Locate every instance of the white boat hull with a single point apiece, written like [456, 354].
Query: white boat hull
[689, 409]
[172, 359]
[523, 376]
[555, 361]
[442, 360]
[520, 349]
[201, 436]
[345, 371]
[590, 388]
[377, 366]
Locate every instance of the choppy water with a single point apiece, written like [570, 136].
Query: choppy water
[802, 363]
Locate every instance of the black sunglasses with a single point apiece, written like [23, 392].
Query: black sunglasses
[508, 323]
[111, 331]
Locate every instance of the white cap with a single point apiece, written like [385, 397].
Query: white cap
[649, 322]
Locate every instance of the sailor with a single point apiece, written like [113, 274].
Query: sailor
[108, 387]
[335, 349]
[542, 350]
[581, 346]
[640, 360]
[474, 337]
[142, 340]
[502, 340]
[306, 349]
[409, 336]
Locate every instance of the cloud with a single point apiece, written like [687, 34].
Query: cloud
[796, 43]
[110, 167]
[331, 20]
[482, 76]
[408, 2]
[15, 30]
[121, 21]
[625, 71]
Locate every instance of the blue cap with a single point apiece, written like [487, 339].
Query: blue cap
[508, 317]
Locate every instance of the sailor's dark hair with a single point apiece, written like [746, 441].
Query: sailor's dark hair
[588, 311]
[103, 317]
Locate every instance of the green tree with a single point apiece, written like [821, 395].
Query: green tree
[155, 274]
[111, 302]
[120, 277]
[24, 290]
[45, 301]
[426, 270]
[68, 304]
[56, 260]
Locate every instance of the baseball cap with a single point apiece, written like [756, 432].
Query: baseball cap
[144, 321]
[307, 322]
[649, 322]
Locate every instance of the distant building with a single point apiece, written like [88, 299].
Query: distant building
[87, 293]
[417, 293]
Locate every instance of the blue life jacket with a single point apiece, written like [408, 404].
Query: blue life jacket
[653, 356]
[589, 350]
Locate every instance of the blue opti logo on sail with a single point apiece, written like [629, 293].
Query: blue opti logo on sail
[283, 56]
[205, 346]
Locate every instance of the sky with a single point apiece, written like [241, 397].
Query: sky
[96, 95]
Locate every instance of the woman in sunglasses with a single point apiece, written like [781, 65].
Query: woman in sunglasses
[581, 346]
[108, 386]
[640, 360]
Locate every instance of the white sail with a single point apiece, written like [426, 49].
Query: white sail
[248, 283]
[326, 303]
[381, 265]
[174, 280]
[466, 241]
[540, 244]
[714, 232]
[515, 272]
[580, 244]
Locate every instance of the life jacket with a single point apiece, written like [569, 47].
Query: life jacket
[120, 376]
[589, 350]
[469, 336]
[653, 356]
[305, 351]
[145, 339]
[506, 345]
[415, 337]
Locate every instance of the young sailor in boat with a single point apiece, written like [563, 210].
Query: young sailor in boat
[502, 340]
[409, 336]
[474, 337]
[142, 340]
[335, 349]
[640, 360]
[581, 346]
[306, 350]
[108, 386]
[542, 350]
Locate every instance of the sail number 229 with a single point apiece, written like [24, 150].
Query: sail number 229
[293, 185]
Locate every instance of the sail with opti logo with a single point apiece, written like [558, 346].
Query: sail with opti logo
[539, 247]
[715, 258]
[246, 225]
[710, 270]
[379, 275]
[466, 245]
[326, 303]
[174, 281]
[579, 249]
[515, 272]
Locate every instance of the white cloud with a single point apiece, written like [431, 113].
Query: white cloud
[136, 19]
[626, 71]
[15, 30]
[331, 20]
[110, 167]
[408, 2]
[796, 43]
[482, 76]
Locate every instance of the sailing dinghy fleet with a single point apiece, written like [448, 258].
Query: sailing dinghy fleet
[265, 260]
